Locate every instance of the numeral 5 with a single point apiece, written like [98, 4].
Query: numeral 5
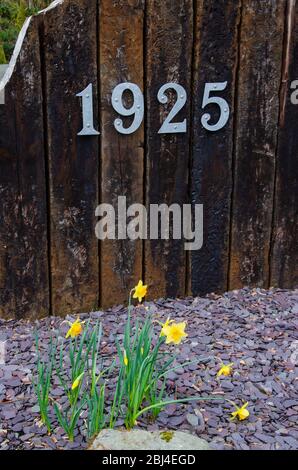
[223, 105]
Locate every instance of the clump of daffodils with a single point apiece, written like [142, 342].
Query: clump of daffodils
[144, 362]
[144, 367]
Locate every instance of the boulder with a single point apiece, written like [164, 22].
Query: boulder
[136, 439]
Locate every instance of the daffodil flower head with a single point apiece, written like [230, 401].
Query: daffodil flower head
[77, 381]
[225, 370]
[165, 326]
[125, 358]
[140, 291]
[75, 329]
[175, 333]
[240, 413]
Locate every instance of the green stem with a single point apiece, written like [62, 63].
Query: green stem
[129, 302]
[170, 402]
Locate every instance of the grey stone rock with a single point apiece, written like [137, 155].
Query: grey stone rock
[192, 419]
[295, 309]
[111, 439]
[201, 422]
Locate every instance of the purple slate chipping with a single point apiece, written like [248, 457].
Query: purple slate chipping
[255, 329]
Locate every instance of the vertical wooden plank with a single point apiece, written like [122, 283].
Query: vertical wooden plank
[24, 290]
[255, 147]
[215, 60]
[169, 29]
[121, 60]
[70, 64]
[284, 257]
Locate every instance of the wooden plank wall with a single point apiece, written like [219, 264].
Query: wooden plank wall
[69, 58]
[24, 286]
[284, 254]
[121, 27]
[169, 43]
[245, 175]
[257, 114]
[215, 60]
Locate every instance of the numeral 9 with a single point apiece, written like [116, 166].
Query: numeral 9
[137, 109]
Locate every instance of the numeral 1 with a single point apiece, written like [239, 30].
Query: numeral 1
[87, 104]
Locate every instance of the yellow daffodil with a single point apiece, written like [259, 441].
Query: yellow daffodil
[165, 326]
[125, 359]
[140, 291]
[175, 333]
[77, 381]
[241, 413]
[225, 370]
[75, 329]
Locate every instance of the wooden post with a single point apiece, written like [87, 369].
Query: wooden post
[24, 287]
[215, 60]
[69, 59]
[284, 257]
[169, 29]
[122, 156]
[255, 141]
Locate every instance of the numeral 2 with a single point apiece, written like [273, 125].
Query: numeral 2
[294, 95]
[169, 127]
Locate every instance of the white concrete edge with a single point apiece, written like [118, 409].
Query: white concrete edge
[16, 52]
[52, 5]
[3, 68]
[12, 63]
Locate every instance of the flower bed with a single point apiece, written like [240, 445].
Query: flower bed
[255, 330]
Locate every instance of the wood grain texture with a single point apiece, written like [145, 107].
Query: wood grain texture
[69, 65]
[245, 175]
[215, 60]
[169, 41]
[24, 289]
[256, 139]
[284, 254]
[122, 156]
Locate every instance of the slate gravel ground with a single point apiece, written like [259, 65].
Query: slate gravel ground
[255, 329]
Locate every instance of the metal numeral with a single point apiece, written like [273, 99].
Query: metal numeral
[168, 126]
[87, 103]
[223, 105]
[294, 95]
[137, 108]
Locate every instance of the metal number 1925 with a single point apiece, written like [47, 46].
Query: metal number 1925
[170, 126]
